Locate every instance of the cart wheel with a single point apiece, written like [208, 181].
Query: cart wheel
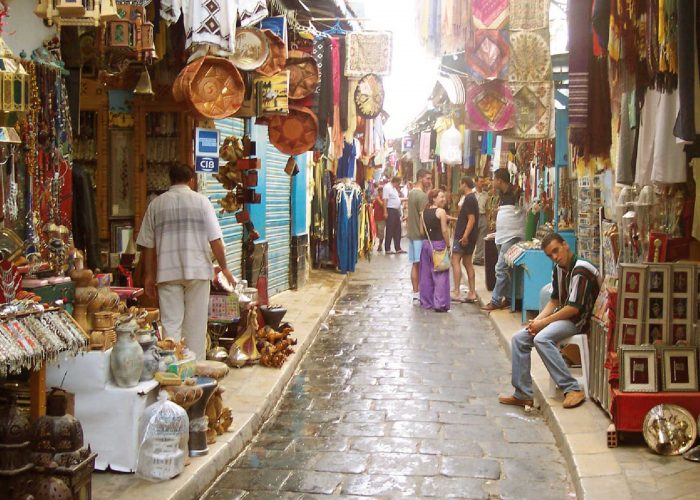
[612, 436]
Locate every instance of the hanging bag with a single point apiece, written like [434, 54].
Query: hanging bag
[441, 258]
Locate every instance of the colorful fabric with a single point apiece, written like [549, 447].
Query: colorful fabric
[529, 14]
[490, 107]
[580, 52]
[488, 59]
[534, 104]
[368, 52]
[530, 59]
[489, 14]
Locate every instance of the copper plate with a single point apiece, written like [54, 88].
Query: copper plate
[369, 96]
[277, 58]
[217, 89]
[295, 133]
[252, 49]
[303, 74]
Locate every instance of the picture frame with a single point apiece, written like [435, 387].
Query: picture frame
[631, 304]
[638, 369]
[679, 369]
[122, 232]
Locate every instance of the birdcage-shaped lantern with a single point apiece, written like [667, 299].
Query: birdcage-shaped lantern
[14, 82]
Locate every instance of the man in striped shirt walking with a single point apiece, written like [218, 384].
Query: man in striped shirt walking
[575, 286]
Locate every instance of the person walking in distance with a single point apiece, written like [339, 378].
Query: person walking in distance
[417, 201]
[434, 285]
[510, 229]
[575, 287]
[465, 241]
[179, 233]
[392, 200]
[482, 198]
[379, 208]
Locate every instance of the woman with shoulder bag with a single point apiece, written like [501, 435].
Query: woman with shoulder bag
[435, 257]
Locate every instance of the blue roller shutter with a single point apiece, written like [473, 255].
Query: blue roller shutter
[233, 232]
[277, 219]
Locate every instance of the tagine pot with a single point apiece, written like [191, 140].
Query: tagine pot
[126, 361]
[151, 359]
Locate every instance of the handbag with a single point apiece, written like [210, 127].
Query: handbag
[441, 258]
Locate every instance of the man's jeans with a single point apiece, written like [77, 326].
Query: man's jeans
[502, 287]
[546, 344]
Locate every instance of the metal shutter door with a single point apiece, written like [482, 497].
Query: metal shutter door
[233, 232]
[278, 220]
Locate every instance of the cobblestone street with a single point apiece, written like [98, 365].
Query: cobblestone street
[396, 401]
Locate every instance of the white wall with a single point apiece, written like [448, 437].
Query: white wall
[22, 29]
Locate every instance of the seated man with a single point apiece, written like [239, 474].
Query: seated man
[575, 286]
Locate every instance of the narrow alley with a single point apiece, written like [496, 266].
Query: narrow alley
[395, 401]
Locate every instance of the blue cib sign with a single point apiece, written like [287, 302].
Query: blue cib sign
[206, 151]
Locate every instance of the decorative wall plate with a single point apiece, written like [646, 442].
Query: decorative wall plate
[217, 89]
[295, 133]
[252, 49]
[369, 96]
[669, 429]
[303, 74]
[277, 58]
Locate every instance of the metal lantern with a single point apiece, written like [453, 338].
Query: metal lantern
[147, 44]
[13, 78]
[70, 8]
[108, 11]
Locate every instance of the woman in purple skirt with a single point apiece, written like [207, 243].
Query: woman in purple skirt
[434, 286]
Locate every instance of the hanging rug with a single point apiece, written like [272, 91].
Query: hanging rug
[490, 106]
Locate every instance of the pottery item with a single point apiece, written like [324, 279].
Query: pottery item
[103, 320]
[295, 133]
[186, 394]
[277, 58]
[272, 315]
[126, 361]
[166, 357]
[198, 420]
[211, 369]
[303, 74]
[252, 49]
[151, 359]
[101, 340]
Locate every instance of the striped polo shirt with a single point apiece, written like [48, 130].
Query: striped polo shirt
[579, 285]
[179, 224]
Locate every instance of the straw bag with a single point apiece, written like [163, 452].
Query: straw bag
[441, 258]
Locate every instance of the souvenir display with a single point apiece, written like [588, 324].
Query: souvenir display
[638, 369]
[679, 369]
[657, 305]
[277, 58]
[368, 52]
[252, 49]
[295, 133]
[303, 74]
[126, 360]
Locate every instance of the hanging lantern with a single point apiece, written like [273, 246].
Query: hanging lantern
[148, 47]
[14, 78]
[42, 9]
[70, 12]
[143, 87]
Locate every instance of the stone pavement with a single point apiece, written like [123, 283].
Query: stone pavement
[396, 401]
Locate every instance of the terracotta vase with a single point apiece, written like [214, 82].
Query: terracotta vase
[126, 361]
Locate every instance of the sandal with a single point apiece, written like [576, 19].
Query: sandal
[470, 301]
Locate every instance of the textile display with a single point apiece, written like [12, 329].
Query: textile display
[251, 12]
[213, 21]
[580, 52]
[489, 14]
[529, 14]
[451, 147]
[368, 52]
[490, 106]
[455, 26]
[488, 59]
[348, 202]
[530, 60]
[685, 123]
[424, 146]
[533, 102]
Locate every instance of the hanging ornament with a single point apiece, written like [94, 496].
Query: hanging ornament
[11, 210]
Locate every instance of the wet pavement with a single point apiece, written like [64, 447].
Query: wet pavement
[396, 401]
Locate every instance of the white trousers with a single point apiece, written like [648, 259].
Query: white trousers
[184, 311]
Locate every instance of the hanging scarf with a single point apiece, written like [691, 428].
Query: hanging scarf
[685, 123]
[580, 52]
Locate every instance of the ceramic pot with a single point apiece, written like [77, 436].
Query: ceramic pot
[151, 358]
[126, 361]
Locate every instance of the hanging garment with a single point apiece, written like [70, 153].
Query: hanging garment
[348, 203]
[424, 146]
[251, 11]
[624, 167]
[206, 21]
[451, 147]
[685, 123]
[660, 156]
[346, 163]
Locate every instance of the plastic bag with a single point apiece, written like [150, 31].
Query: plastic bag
[164, 432]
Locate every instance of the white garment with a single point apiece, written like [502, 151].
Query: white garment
[179, 224]
[510, 223]
[660, 155]
[451, 147]
[391, 196]
[206, 21]
[252, 11]
[184, 312]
